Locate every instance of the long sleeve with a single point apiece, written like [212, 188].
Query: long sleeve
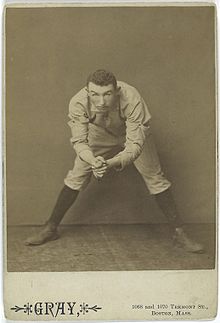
[137, 128]
[79, 126]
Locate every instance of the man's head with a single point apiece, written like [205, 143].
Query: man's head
[102, 89]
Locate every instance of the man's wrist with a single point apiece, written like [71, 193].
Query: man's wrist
[87, 156]
[114, 162]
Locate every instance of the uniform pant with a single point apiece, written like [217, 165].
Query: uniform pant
[107, 145]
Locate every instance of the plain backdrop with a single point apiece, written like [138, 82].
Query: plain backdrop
[167, 53]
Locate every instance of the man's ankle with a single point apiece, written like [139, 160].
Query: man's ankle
[51, 226]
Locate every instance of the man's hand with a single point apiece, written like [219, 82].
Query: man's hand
[99, 167]
[98, 162]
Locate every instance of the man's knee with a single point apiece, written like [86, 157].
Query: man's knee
[157, 184]
[76, 183]
[79, 177]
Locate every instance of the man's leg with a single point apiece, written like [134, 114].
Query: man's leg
[167, 205]
[149, 167]
[76, 180]
[102, 144]
[49, 232]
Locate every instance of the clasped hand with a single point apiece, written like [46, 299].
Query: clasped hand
[99, 167]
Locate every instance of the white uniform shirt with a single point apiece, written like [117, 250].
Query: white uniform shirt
[129, 117]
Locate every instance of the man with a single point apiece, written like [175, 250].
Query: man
[110, 128]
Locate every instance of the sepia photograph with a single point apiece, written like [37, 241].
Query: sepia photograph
[110, 142]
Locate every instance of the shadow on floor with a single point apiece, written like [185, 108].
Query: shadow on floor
[109, 248]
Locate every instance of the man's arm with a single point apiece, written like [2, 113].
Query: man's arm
[137, 128]
[88, 157]
[114, 162]
[79, 128]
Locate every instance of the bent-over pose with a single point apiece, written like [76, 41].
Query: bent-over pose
[110, 127]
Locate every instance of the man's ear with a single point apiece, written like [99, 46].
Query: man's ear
[118, 89]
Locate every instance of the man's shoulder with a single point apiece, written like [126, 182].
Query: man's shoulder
[131, 100]
[79, 98]
[128, 93]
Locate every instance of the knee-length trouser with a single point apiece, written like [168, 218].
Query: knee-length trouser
[106, 145]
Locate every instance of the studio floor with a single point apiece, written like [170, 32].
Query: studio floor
[111, 247]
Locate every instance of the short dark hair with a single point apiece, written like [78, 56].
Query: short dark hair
[102, 77]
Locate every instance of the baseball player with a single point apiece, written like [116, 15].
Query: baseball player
[110, 126]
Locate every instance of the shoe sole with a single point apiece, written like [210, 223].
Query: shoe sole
[40, 243]
[178, 245]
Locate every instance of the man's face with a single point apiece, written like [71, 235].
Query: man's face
[102, 97]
